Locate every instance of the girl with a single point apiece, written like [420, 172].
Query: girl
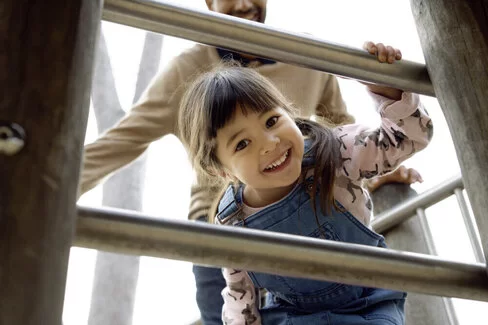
[295, 176]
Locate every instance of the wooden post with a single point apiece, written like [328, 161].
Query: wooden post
[46, 59]
[454, 38]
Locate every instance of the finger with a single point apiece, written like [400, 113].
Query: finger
[400, 175]
[398, 54]
[403, 172]
[382, 52]
[370, 47]
[414, 176]
[391, 54]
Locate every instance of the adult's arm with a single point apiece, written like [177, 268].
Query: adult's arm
[152, 117]
[332, 108]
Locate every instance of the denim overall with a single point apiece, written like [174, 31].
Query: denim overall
[295, 301]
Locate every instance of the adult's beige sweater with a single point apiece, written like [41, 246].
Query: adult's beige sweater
[156, 112]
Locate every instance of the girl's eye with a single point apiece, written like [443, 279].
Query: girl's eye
[271, 121]
[242, 144]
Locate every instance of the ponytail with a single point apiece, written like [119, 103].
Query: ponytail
[327, 157]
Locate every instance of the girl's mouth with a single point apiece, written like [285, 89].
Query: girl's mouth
[280, 163]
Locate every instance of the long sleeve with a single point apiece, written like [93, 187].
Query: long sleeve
[405, 129]
[153, 116]
[240, 301]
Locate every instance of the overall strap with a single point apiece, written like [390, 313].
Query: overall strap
[230, 207]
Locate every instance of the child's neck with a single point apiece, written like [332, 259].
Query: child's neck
[258, 198]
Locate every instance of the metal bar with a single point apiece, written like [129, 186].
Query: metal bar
[426, 231]
[470, 226]
[259, 39]
[451, 311]
[134, 233]
[424, 224]
[388, 219]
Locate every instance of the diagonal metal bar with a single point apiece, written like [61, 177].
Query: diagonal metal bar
[471, 227]
[424, 224]
[259, 39]
[133, 233]
[388, 219]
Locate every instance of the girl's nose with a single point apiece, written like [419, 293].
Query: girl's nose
[270, 143]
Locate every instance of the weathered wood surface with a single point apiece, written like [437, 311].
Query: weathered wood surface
[454, 38]
[46, 60]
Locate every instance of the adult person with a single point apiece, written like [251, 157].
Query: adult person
[155, 115]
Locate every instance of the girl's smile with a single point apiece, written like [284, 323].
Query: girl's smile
[279, 164]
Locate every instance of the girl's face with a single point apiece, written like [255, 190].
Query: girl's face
[262, 150]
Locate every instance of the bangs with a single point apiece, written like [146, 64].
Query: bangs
[232, 89]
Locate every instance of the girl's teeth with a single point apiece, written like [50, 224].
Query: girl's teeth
[278, 162]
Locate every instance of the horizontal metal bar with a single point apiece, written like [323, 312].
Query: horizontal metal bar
[201, 243]
[470, 226]
[261, 40]
[399, 213]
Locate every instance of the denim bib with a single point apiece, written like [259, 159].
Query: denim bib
[301, 301]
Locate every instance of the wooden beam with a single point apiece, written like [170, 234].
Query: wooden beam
[46, 60]
[454, 38]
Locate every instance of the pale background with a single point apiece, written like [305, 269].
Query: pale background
[165, 292]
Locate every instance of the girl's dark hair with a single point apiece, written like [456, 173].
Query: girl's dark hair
[327, 157]
[211, 101]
